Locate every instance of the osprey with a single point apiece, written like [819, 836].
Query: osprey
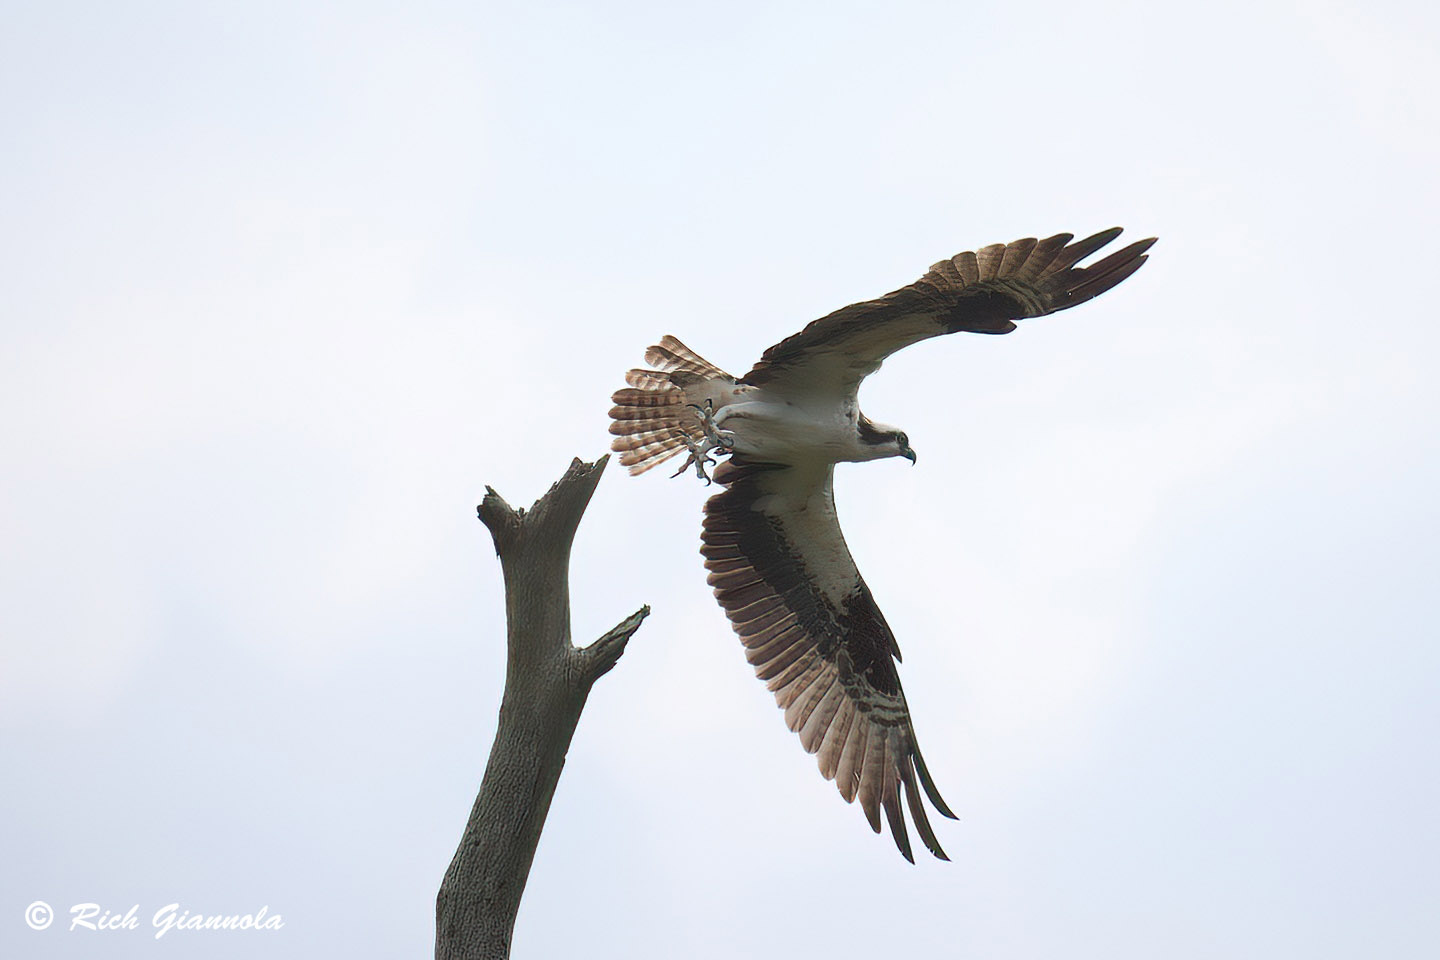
[771, 541]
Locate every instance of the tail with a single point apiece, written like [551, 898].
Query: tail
[650, 419]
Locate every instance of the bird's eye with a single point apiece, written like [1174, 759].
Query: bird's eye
[903, 440]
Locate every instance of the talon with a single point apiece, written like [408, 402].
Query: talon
[714, 439]
[701, 462]
[723, 439]
[699, 457]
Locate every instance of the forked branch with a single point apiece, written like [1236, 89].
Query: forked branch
[547, 680]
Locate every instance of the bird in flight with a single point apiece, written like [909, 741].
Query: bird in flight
[771, 541]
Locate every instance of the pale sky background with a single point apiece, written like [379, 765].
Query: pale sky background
[286, 284]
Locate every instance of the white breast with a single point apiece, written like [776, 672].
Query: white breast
[784, 430]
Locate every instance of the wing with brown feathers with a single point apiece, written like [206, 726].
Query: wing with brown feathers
[980, 292]
[782, 572]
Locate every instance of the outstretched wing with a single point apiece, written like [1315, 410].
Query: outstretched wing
[782, 572]
[980, 292]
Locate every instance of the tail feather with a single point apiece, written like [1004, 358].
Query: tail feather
[650, 418]
[659, 395]
[646, 379]
[672, 356]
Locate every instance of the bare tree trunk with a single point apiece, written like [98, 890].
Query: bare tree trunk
[547, 680]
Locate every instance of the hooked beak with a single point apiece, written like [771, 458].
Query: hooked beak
[908, 455]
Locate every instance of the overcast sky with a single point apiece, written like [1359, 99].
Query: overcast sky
[286, 285]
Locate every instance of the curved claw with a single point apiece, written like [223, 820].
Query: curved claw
[717, 438]
[699, 457]
[714, 439]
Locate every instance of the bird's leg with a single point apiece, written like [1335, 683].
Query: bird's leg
[722, 439]
[714, 439]
[699, 456]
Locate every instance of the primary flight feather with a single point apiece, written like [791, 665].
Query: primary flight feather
[771, 541]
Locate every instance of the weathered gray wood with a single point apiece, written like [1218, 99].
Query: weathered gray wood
[547, 681]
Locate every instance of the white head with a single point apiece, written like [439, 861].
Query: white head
[883, 439]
